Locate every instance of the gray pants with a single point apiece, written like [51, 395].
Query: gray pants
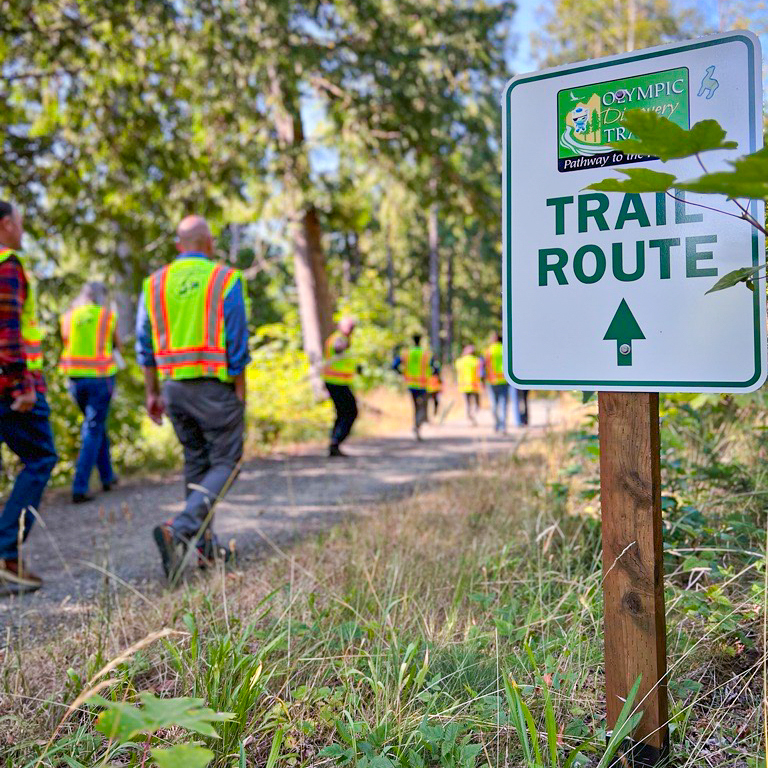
[209, 421]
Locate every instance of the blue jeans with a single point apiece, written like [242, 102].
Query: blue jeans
[93, 396]
[499, 394]
[29, 436]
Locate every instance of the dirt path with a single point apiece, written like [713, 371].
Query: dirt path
[84, 551]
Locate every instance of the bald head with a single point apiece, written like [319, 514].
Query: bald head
[347, 325]
[193, 234]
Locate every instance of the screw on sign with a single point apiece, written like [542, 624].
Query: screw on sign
[609, 293]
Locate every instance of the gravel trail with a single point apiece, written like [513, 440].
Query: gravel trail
[81, 551]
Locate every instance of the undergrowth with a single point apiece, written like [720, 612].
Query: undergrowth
[460, 627]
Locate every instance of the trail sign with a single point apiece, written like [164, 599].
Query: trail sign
[609, 291]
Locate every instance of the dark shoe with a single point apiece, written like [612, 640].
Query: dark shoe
[110, 485]
[13, 572]
[334, 451]
[81, 498]
[210, 551]
[171, 550]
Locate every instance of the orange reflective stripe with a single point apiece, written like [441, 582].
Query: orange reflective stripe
[101, 339]
[160, 309]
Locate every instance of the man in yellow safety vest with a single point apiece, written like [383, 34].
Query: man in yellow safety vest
[499, 391]
[469, 376]
[339, 371]
[416, 365]
[24, 413]
[89, 336]
[192, 330]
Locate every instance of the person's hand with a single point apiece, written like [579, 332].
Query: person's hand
[25, 401]
[155, 408]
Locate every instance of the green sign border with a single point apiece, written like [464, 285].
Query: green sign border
[590, 383]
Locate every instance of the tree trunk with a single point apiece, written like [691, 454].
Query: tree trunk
[390, 269]
[449, 319]
[434, 278]
[315, 305]
[124, 291]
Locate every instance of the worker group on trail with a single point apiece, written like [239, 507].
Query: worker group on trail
[192, 344]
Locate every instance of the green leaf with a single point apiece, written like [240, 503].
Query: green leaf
[638, 180]
[182, 756]
[124, 721]
[740, 275]
[749, 178]
[658, 136]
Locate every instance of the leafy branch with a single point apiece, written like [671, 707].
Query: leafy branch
[658, 137]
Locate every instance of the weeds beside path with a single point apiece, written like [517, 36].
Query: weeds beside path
[87, 553]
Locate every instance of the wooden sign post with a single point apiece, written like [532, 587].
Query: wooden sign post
[633, 570]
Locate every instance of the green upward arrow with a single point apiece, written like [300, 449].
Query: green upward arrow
[623, 330]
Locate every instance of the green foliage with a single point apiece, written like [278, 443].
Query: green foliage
[638, 180]
[123, 722]
[658, 136]
[182, 756]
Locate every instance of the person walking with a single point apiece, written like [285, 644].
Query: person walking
[89, 336]
[416, 365]
[469, 375]
[338, 373]
[24, 413]
[191, 331]
[434, 390]
[498, 389]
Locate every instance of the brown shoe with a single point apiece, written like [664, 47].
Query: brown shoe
[13, 572]
[171, 550]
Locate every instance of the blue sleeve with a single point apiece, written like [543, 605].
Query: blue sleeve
[145, 353]
[397, 363]
[236, 329]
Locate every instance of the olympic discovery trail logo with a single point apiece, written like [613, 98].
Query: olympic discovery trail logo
[589, 119]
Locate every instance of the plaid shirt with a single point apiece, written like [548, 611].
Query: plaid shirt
[15, 378]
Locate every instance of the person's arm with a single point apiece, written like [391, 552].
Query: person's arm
[397, 364]
[117, 342]
[155, 404]
[13, 291]
[236, 331]
[145, 356]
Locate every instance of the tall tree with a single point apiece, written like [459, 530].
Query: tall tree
[575, 30]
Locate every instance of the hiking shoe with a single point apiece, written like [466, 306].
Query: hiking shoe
[335, 452]
[13, 572]
[171, 550]
[113, 483]
[81, 498]
[210, 551]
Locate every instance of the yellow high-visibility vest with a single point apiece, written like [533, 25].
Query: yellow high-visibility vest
[185, 303]
[416, 365]
[468, 373]
[31, 335]
[339, 367]
[88, 332]
[494, 363]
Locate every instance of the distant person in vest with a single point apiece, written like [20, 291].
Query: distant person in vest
[416, 365]
[24, 413]
[434, 389]
[469, 376]
[338, 373]
[498, 389]
[89, 336]
[192, 332]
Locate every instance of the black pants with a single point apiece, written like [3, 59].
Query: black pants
[419, 407]
[346, 411]
[522, 405]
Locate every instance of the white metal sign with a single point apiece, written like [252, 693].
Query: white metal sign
[608, 291]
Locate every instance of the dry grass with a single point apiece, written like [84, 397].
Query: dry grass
[415, 610]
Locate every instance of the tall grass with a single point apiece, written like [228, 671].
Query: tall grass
[460, 627]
